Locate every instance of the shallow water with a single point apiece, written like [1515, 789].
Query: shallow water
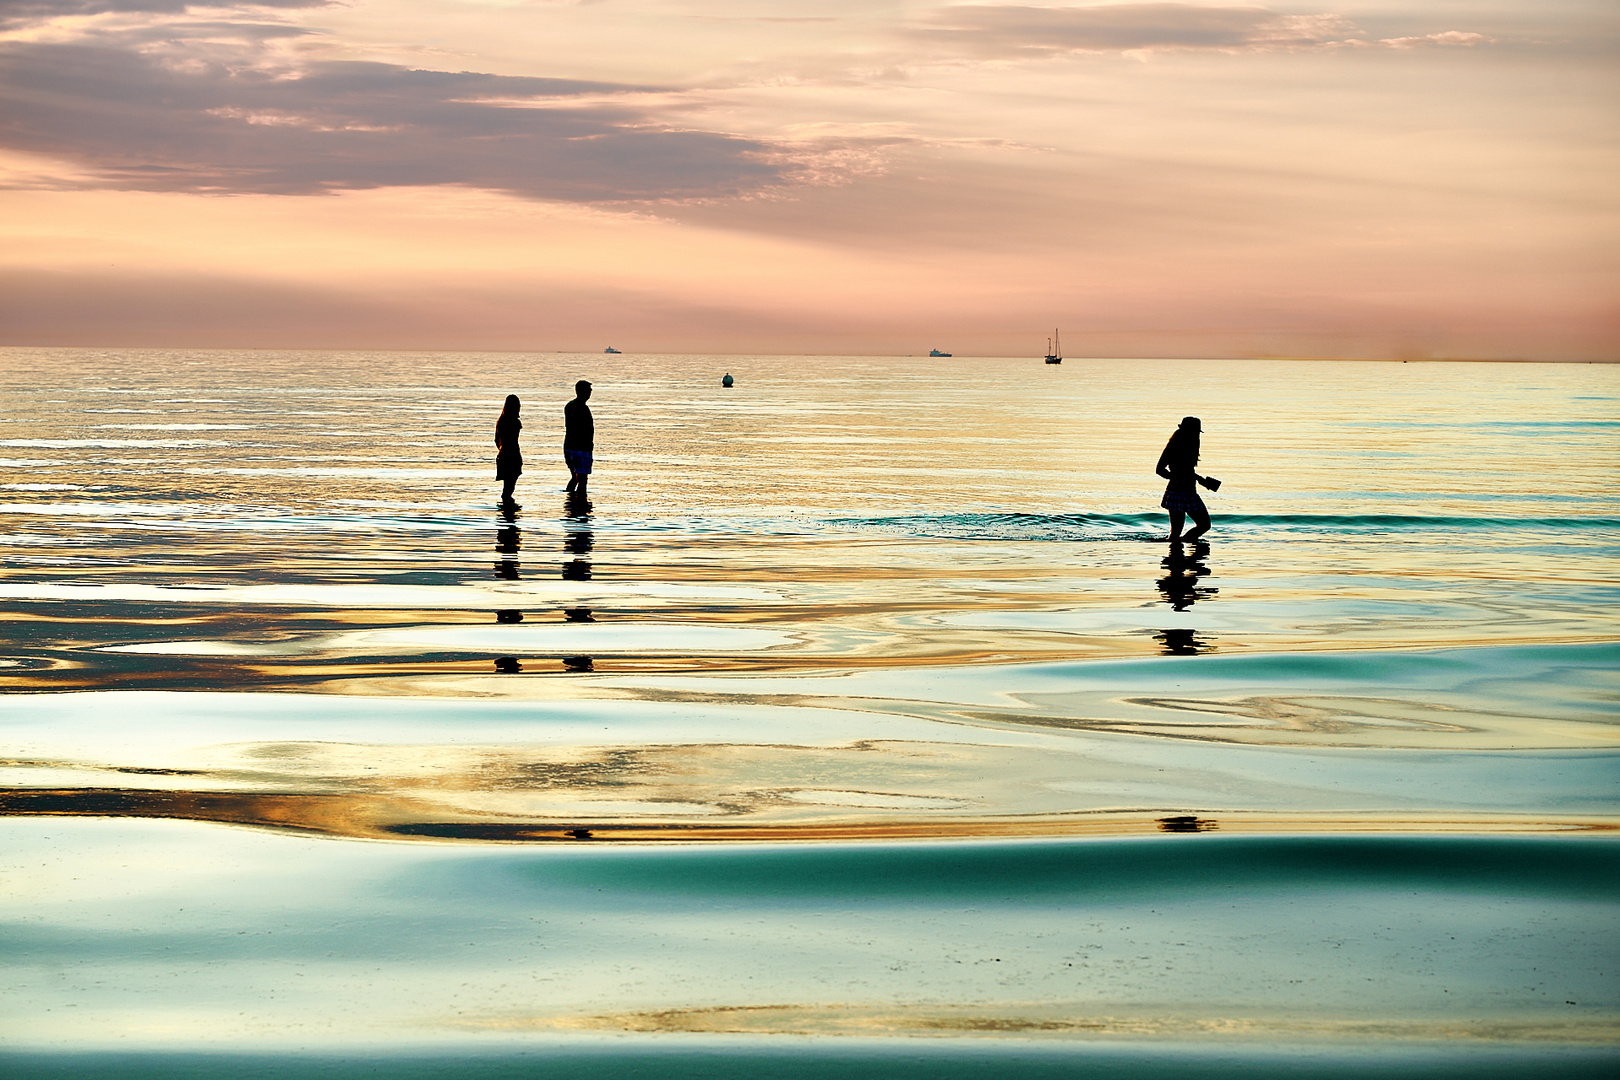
[857, 602]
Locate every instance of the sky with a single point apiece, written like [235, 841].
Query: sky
[1381, 179]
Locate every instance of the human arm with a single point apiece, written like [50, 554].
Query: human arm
[1163, 467]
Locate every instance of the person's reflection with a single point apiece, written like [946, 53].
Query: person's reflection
[1183, 567]
[1179, 586]
[578, 539]
[507, 542]
[1179, 642]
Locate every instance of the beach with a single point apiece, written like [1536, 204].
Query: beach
[861, 722]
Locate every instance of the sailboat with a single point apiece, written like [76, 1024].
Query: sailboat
[1054, 349]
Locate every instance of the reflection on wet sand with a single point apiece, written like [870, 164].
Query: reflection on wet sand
[381, 818]
[578, 538]
[508, 541]
[1183, 566]
[1060, 1021]
[1046, 783]
[1182, 642]
[580, 541]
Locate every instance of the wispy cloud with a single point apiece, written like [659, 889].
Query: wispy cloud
[1005, 31]
[15, 13]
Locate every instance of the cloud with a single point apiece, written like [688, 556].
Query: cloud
[1008, 31]
[1451, 38]
[220, 107]
[14, 13]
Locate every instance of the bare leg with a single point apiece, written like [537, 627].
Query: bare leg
[1176, 518]
[577, 484]
[506, 489]
[1201, 520]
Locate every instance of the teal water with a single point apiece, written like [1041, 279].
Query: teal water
[860, 721]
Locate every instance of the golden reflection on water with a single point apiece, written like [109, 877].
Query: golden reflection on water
[853, 517]
[1057, 1020]
[869, 789]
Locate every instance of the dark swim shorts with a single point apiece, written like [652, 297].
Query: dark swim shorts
[579, 461]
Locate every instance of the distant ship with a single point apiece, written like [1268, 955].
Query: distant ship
[1054, 349]
[610, 349]
[936, 352]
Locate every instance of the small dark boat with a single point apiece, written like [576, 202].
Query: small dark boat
[1054, 349]
[936, 352]
[610, 349]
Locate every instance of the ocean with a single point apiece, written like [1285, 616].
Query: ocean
[860, 722]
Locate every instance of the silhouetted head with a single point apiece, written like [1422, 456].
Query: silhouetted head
[582, 390]
[1184, 441]
[512, 405]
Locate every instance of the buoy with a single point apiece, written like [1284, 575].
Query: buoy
[727, 381]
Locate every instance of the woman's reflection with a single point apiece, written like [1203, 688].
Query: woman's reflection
[1178, 642]
[1184, 566]
[507, 542]
[1179, 586]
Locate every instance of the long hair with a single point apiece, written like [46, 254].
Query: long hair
[508, 426]
[1184, 441]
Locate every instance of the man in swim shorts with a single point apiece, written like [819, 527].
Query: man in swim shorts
[579, 437]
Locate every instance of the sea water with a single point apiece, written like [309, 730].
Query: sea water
[862, 701]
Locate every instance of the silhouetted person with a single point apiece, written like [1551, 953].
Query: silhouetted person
[1177, 465]
[508, 458]
[579, 438]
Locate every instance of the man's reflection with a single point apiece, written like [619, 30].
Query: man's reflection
[578, 540]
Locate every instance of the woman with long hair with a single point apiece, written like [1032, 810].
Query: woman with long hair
[1178, 465]
[508, 458]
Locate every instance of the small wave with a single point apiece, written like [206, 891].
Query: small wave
[1022, 526]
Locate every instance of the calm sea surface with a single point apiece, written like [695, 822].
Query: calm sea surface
[860, 699]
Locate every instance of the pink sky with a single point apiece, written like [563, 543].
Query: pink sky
[1431, 178]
